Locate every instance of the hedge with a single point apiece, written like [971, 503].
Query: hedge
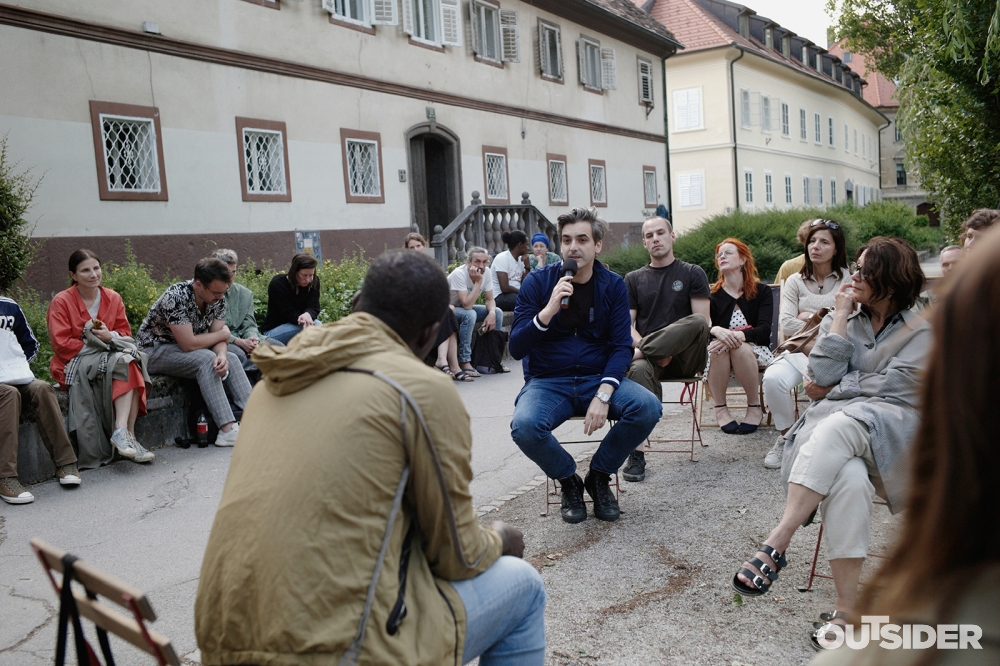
[771, 235]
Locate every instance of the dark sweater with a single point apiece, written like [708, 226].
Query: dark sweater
[284, 304]
[757, 312]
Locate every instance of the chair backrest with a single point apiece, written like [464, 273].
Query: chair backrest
[776, 295]
[96, 581]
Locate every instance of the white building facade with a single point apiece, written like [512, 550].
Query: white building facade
[761, 118]
[186, 125]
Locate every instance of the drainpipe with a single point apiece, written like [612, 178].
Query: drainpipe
[666, 133]
[732, 93]
[879, 165]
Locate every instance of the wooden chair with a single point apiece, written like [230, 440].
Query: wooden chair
[96, 582]
[690, 389]
[552, 488]
[815, 558]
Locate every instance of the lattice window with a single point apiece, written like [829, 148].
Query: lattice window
[598, 184]
[649, 186]
[363, 168]
[496, 176]
[130, 154]
[558, 192]
[264, 156]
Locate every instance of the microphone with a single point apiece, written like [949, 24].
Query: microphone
[569, 270]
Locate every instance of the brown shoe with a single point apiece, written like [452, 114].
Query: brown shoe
[68, 475]
[12, 492]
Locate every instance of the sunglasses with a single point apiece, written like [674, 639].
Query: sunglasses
[826, 223]
[855, 267]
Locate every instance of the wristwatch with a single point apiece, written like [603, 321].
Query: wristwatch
[603, 397]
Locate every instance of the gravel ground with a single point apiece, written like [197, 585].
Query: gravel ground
[654, 587]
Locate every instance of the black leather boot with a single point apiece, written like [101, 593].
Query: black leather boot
[573, 509]
[598, 487]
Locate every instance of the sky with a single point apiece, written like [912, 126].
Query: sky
[807, 18]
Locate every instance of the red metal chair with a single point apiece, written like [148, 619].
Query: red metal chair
[815, 558]
[690, 390]
[552, 488]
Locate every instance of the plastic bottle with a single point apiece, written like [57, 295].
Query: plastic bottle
[202, 430]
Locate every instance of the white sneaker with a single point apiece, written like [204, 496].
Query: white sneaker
[773, 458]
[142, 454]
[228, 438]
[122, 441]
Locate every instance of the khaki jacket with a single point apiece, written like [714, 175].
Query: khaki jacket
[306, 503]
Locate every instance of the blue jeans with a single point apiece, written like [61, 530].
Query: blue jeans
[467, 324]
[283, 333]
[504, 615]
[546, 403]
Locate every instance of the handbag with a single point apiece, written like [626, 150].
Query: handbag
[803, 341]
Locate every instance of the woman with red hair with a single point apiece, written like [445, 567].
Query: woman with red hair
[741, 307]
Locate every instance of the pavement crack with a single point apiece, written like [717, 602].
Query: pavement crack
[174, 490]
[31, 634]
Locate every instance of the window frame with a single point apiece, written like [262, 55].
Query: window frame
[833, 191]
[656, 190]
[831, 138]
[806, 198]
[243, 124]
[786, 121]
[819, 191]
[640, 61]
[765, 104]
[768, 188]
[553, 157]
[495, 150]
[478, 56]
[847, 138]
[591, 163]
[748, 187]
[817, 128]
[789, 192]
[746, 114]
[126, 111]
[900, 169]
[897, 135]
[358, 135]
[417, 40]
[544, 25]
[343, 21]
[803, 129]
[582, 44]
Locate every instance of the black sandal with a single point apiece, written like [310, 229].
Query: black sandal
[824, 629]
[463, 376]
[761, 585]
[730, 428]
[747, 428]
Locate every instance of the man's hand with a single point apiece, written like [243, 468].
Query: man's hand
[246, 344]
[597, 413]
[491, 321]
[814, 391]
[221, 364]
[305, 320]
[513, 540]
[475, 274]
[563, 288]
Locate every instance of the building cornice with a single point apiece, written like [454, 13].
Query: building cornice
[60, 25]
[603, 20]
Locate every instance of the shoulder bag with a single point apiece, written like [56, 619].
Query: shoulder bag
[803, 341]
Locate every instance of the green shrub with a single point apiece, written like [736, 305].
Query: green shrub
[256, 280]
[16, 193]
[135, 284]
[35, 306]
[771, 235]
[338, 284]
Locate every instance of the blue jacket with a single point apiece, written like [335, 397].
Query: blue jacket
[13, 323]
[604, 348]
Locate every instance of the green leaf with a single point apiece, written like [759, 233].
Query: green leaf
[737, 599]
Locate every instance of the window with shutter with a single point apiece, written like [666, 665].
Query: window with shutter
[510, 36]
[745, 108]
[805, 190]
[855, 142]
[690, 190]
[802, 125]
[351, 11]
[833, 192]
[649, 185]
[748, 186]
[768, 189]
[589, 61]
[819, 190]
[765, 113]
[864, 143]
[847, 139]
[421, 20]
[451, 22]
[609, 71]
[645, 82]
[486, 26]
[383, 12]
[817, 128]
[550, 50]
[687, 109]
[788, 189]
[785, 125]
[830, 140]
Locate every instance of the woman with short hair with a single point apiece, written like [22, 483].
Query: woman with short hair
[88, 326]
[292, 299]
[540, 255]
[802, 295]
[852, 441]
[741, 308]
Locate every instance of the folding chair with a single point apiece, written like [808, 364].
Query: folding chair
[552, 488]
[815, 558]
[690, 389]
[96, 582]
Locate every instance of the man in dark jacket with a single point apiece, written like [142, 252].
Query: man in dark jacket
[575, 361]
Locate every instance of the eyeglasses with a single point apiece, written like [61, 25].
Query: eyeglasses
[829, 224]
[724, 254]
[855, 267]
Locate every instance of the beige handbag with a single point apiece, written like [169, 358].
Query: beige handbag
[803, 341]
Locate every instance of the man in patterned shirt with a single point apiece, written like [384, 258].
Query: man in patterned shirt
[185, 335]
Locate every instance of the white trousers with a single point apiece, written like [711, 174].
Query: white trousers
[779, 379]
[836, 461]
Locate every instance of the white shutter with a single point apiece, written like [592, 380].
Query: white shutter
[451, 22]
[697, 187]
[680, 111]
[693, 109]
[329, 6]
[383, 12]
[510, 37]
[473, 27]
[581, 58]
[754, 109]
[684, 181]
[559, 60]
[609, 74]
[645, 82]
[407, 16]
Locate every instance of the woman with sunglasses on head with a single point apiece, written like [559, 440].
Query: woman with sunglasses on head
[741, 308]
[802, 295]
[852, 440]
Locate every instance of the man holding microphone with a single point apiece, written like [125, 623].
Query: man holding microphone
[573, 331]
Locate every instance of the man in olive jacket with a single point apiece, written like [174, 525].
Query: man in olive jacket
[312, 487]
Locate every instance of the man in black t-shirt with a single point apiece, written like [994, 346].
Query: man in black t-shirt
[669, 303]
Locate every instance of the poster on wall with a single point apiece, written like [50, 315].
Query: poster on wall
[307, 242]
